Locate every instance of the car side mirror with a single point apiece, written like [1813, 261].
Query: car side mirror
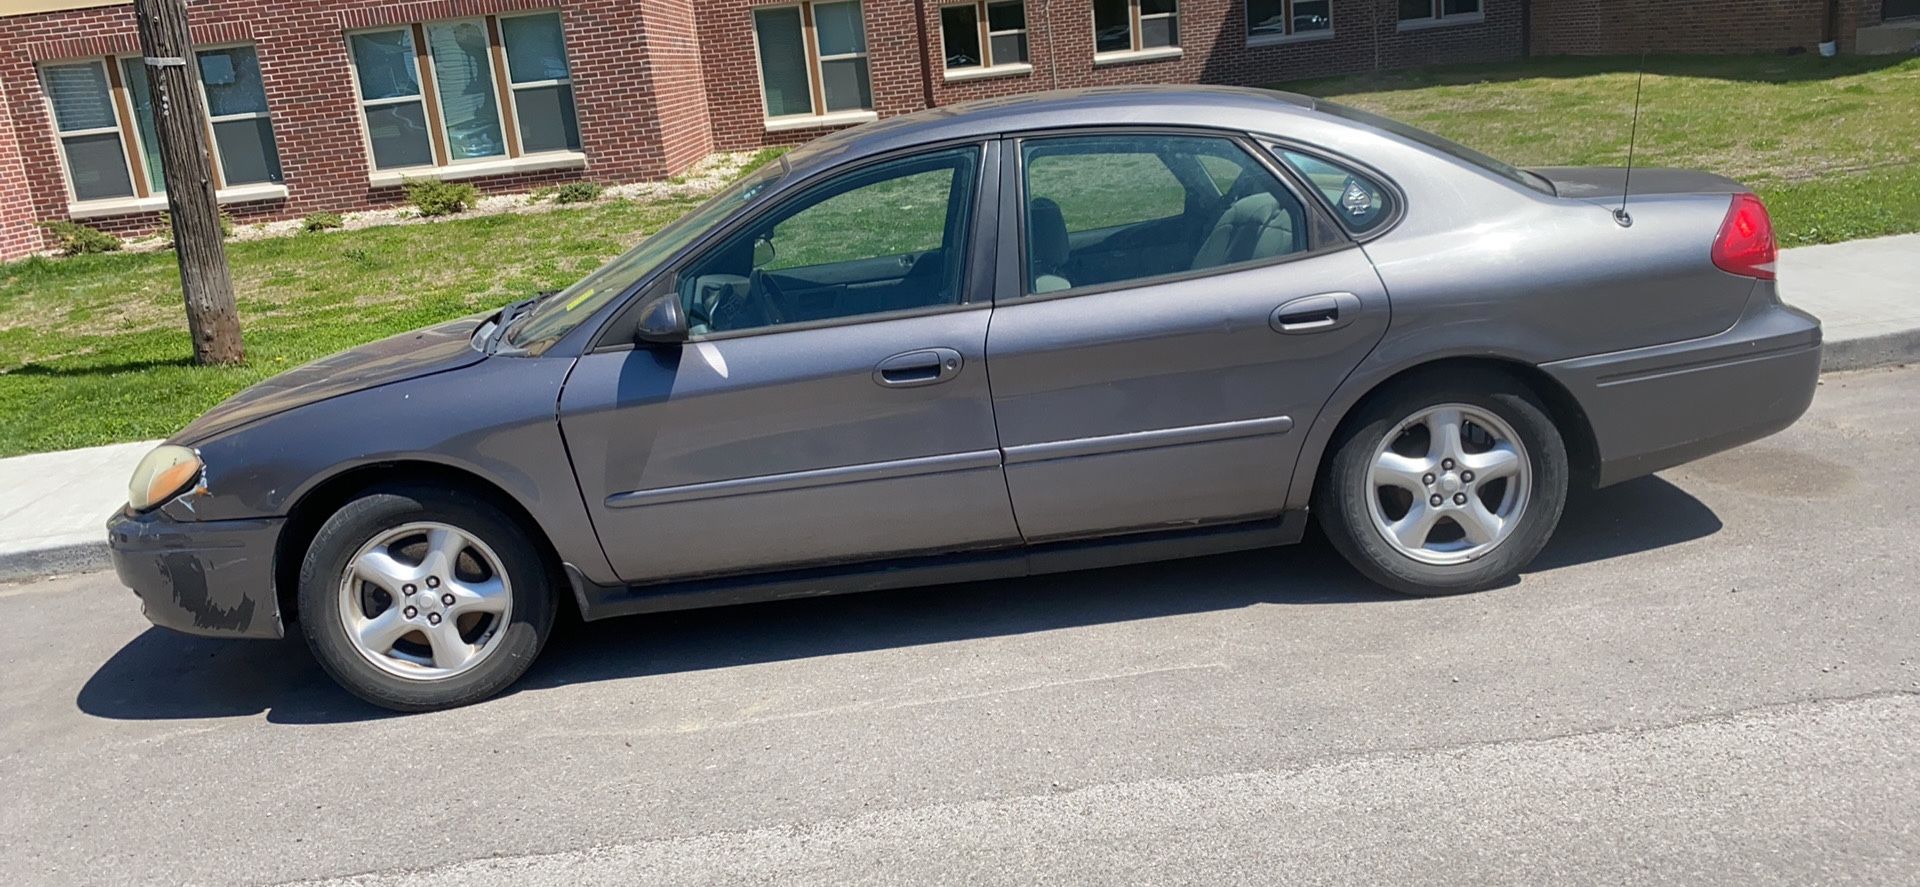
[763, 251]
[662, 320]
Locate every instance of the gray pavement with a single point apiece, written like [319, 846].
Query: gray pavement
[1711, 677]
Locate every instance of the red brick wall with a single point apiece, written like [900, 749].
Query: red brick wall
[1624, 27]
[903, 41]
[628, 130]
[17, 234]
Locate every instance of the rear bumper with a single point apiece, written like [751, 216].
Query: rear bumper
[1657, 407]
[212, 578]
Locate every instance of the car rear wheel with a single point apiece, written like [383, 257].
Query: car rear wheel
[1445, 485]
[420, 599]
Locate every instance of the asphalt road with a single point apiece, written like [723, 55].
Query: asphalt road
[1713, 676]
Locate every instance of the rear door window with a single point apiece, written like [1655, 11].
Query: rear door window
[1359, 201]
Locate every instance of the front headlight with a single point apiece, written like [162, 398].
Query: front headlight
[165, 473]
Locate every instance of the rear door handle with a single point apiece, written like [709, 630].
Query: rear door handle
[1315, 314]
[928, 366]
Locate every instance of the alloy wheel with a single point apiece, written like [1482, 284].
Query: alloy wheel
[425, 601]
[1448, 484]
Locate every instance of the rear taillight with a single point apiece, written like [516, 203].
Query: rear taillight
[1745, 245]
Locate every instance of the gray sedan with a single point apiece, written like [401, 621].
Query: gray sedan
[1028, 335]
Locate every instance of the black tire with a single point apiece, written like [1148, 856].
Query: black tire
[383, 509]
[1340, 499]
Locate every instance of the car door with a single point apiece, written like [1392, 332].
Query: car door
[832, 402]
[1170, 389]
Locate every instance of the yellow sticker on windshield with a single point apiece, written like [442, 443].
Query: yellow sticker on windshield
[575, 302]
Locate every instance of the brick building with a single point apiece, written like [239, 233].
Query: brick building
[330, 105]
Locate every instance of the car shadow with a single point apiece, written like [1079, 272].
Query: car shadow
[162, 675]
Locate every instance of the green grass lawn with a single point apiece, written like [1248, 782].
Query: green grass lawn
[1832, 145]
[94, 349]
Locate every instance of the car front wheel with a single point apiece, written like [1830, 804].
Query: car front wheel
[1445, 485]
[419, 599]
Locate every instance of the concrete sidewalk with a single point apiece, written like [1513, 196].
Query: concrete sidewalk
[1865, 292]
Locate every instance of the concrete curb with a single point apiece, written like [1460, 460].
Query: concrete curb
[39, 563]
[1868, 352]
[83, 557]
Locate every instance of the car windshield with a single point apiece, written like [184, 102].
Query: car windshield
[560, 313]
[1445, 146]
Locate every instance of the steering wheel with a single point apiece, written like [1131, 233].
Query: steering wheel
[762, 289]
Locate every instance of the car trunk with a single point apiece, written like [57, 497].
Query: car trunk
[1606, 182]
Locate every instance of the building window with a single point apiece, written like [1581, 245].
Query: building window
[984, 34]
[813, 59]
[447, 92]
[1414, 12]
[1135, 25]
[1273, 20]
[103, 112]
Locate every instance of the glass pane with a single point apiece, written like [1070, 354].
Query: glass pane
[1006, 16]
[232, 78]
[1459, 7]
[1159, 32]
[247, 152]
[399, 135]
[1125, 185]
[1360, 202]
[384, 62]
[839, 28]
[97, 167]
[846, 85]
[535, 50]
[1009, 49]
[783, 61]
[133, 72]
[897, 213]
[463, 70]
[1415, 9]
[960, 36]
[1156, 7]
[1312, 15]
[1112, 29]
[1266, 18]
[79, 96]
[547, 121]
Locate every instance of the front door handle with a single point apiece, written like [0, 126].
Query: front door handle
[928, 366]
[1315, 314]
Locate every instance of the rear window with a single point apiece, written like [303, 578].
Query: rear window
[1450, 148]
[1361, 203]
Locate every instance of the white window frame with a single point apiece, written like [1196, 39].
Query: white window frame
[118, 129]
[818, 115]
[1440, 18]
[988, 67]
[514, 160]
[1289, 35]
[147, 196]
[514, 89]
[1137, 52]
[213, 139]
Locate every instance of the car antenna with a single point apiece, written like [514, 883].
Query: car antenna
[1633, 135]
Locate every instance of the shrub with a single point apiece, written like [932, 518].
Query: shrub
[321, 222]
[164, 230]
[77, 239]
[576, 192]
[433, 197]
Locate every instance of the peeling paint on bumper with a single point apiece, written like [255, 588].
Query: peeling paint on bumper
[211, 578]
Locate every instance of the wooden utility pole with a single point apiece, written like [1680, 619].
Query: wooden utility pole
[179, 123]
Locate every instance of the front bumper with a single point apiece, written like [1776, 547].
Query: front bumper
[212, 578]
[1657, 407]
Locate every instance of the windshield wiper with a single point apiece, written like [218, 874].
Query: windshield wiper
[513, 313]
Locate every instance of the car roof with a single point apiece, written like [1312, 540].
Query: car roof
[1251, 110]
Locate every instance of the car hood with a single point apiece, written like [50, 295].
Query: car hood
[423, 352]
[1605, 182]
